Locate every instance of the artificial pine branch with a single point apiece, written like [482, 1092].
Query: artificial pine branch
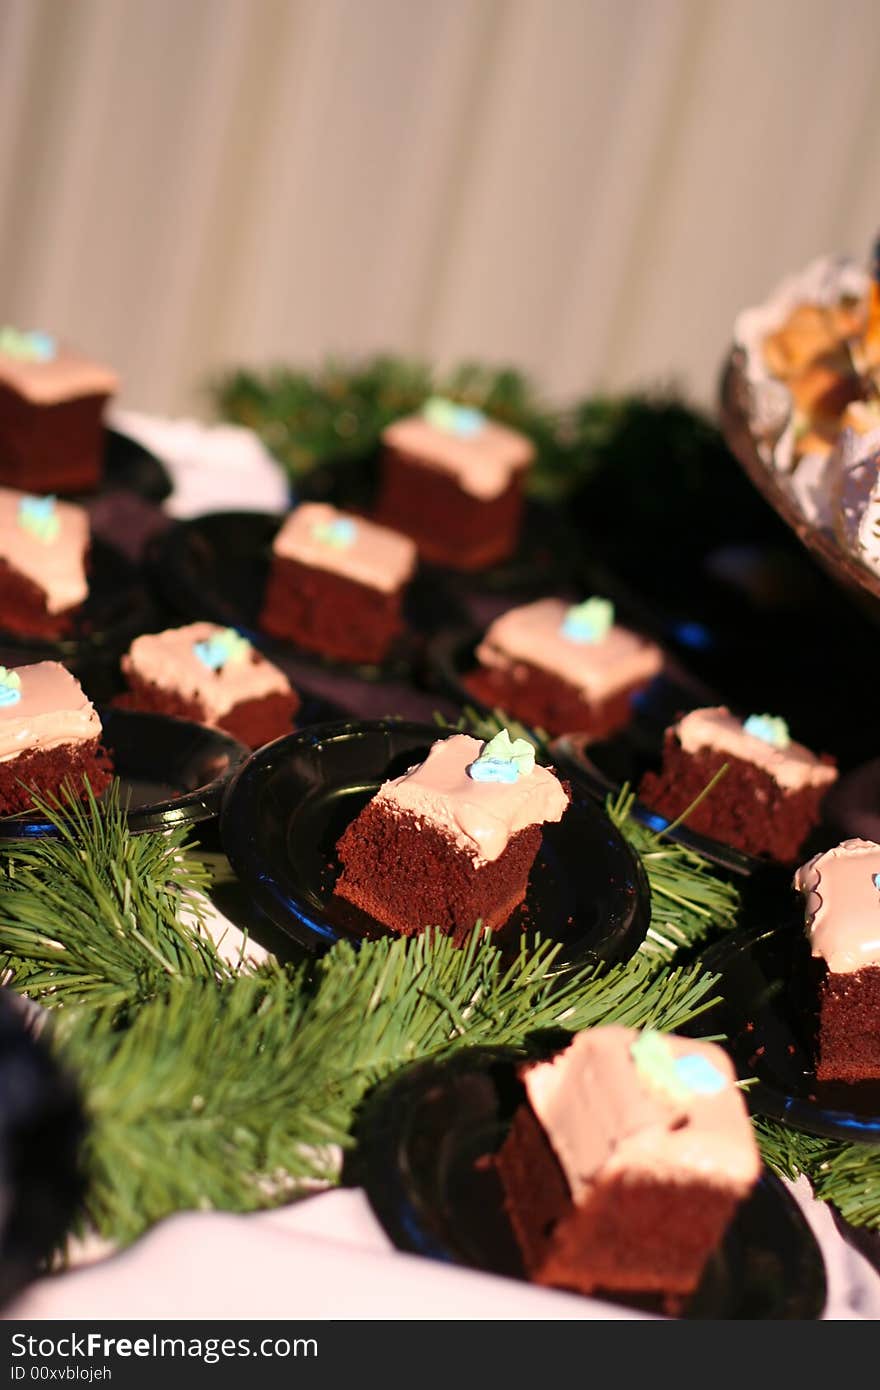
[689, 902]
[610, 444]
[208, 1088]
[229, 1097]
[847, 1175]
[339, 410]
[196, 1104]
[99, 915]
[486, 726]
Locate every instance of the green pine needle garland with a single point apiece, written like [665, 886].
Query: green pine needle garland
[211, 1088]
[214, 1088]
[338, 411]
[847, 1175]
[232, 1097]
[689, 903]
[101, 916]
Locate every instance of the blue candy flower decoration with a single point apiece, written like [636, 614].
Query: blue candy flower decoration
[699, 1075]
[680, 1077]
[769, 729]
[27, 347]
[339, 533]
[503, 759]
[10, 686]
[465, 421]
[875, 878]
[38, 516]
[589, 621]
[222, 649]
[493, 770]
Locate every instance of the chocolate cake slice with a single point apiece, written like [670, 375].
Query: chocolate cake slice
[336, 584]
[212, 675]
[51, 414]
[451, 842]
[50, 735]
[453, 480]
[626, 1162]
[562, 668]
[841, 889]
[44, 546]
[767, 801]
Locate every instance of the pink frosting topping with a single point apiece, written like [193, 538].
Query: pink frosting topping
[52, 711]
[533, 634]
[321, 537]
[64, 377]
[842, 905]
[793, 767]
[603, 1116]
[56, 565]
[481, 817]
[482, 463]
[169, 659]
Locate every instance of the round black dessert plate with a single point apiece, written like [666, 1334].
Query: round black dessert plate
[767, 1012]
[424, 1156]
[216, 567]
[127, 466]
[171, 772]
[116, 610]
[130, 467]
[285, 810]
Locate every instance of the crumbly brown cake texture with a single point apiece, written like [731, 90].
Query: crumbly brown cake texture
[452, 479]
[768, 799]
[451, 842]
[626, 1162]
[337, 583]
[213, 675]
[564, 668]
[52, 403]
[50, 736]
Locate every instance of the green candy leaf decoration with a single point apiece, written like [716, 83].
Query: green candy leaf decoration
[680, 1078]
[27, 347]
[654, 1062]
[503, 759]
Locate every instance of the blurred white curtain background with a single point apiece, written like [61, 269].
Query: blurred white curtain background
[589, 189]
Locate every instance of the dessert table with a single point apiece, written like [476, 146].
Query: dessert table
[325, 1255]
